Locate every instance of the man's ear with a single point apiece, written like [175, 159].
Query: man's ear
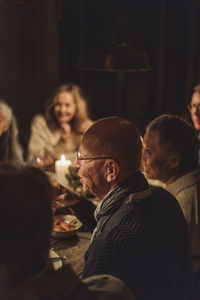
[111, 170]
[175, 160]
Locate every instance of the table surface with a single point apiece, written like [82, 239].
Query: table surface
[73, 249]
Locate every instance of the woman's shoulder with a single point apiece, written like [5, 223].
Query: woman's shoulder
[89, 122]
[39, 121]
[39, 118]
[85, 125]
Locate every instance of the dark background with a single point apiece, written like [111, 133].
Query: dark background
[42, 42]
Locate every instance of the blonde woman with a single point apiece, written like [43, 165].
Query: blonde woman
[60, 129]
[10, 149]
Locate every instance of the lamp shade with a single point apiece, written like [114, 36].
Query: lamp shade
[123, 58]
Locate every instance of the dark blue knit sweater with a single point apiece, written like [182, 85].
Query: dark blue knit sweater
[144, 244]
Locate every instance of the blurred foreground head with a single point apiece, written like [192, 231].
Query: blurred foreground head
[25, 222]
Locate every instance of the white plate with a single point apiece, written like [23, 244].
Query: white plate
[66, 234]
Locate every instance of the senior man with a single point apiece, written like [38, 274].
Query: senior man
[170, 154]
[139, 233]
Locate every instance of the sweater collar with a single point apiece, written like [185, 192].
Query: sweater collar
[183, 182]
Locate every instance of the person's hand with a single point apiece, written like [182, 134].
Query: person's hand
[45, 161]
[65, 131]
[67, 198]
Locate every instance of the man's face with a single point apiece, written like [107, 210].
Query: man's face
[91, 173]
[154, 160]
[195, 110]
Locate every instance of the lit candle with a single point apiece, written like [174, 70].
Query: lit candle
[62, 168]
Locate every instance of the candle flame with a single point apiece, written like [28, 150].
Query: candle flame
[63, 157]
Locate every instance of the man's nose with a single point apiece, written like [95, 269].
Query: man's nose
[77, 165]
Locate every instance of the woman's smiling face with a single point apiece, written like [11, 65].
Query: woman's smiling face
[64, 107]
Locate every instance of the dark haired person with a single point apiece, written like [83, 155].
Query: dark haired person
[170, 154]
[60, 129]
[25, 227]
[139, 233]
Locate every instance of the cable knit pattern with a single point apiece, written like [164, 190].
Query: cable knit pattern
[145, 244]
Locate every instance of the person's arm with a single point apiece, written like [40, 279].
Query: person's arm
[81, 207]
[65, 132]
[40, 146]
[38, 139]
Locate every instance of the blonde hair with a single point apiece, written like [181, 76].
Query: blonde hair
[10, 149]
[81, 115]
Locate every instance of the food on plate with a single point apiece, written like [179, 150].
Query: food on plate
[59, 204]
[61, 226]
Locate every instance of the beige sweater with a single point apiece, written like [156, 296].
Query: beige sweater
[186, 190]
[44, 141]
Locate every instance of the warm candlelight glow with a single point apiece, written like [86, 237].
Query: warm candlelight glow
[63, 158]
[62, 168]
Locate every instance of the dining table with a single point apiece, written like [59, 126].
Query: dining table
[72, 250]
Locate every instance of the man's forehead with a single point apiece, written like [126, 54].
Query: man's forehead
[151, 137]
[85, 149]
[195, 97]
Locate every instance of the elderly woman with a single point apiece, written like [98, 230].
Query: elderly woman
[60, 129]
[170, 154]
[10, 149]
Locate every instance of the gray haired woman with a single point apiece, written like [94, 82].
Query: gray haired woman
[10, 148]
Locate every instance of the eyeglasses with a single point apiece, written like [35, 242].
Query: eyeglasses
[92, 158]
[193, 107]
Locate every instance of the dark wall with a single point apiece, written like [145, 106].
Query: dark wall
[167, 30]
[43, 41]
[28, 57]
[88, 29]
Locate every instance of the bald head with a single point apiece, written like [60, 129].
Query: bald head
[115, 137]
